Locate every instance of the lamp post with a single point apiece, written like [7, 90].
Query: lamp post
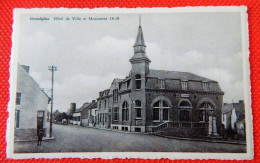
[52, 69]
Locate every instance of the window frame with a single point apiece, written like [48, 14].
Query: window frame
[161, 83]
[205, 86]
[184, 85]
[138, 109]
[161, 112]
[137, 80]
[18, 98]
[116, 113]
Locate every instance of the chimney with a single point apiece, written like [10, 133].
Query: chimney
[241, 101]
[72, 108]
[93, 101]
[27, 68]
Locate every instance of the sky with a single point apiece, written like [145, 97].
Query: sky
[90, 54]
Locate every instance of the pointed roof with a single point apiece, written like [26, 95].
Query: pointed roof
[140, 55]
[140, 37]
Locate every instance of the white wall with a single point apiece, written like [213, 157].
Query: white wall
[32, 100]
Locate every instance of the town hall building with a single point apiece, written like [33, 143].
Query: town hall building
[149, 100]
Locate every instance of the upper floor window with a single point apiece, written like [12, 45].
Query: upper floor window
[99, 104]
[138, 81]
[105, 103]
[205, 85]
[115, 95]
[184, 85]
[161, 83]
[18, 98]
[138, 107]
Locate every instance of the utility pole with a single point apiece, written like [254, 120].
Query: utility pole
[52, 69]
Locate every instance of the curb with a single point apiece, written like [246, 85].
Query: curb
[191, 139]
[44, 139]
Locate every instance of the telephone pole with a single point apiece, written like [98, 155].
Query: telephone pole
[52, 69]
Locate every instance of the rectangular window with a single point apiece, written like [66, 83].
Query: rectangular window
[116, 114]
[105, 103]
[18, 98]
[184, 85]
[138, 113]
[161, 83]
[205, 85]
[165, 114]
[115, 95]
[17, 118]
[156, 112]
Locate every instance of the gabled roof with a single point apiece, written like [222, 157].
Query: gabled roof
[23, 68]
[227, 108]
[176, 75]
[83, 107]
[93, 105]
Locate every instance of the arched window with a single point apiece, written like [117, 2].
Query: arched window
[138, 109]
[206, 108]
[161, 111]
[138, 81]
[185, 107]
[125, 111]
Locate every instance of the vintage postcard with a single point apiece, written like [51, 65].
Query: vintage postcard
[130, 83]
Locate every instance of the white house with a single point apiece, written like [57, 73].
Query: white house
[233, 117]
[31, 106]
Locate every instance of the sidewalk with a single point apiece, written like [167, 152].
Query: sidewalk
[203, 140]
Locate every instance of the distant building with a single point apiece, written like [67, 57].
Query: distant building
[151, 100]
[31, 106]
[90, 115]
[77, 115]
[233, 116]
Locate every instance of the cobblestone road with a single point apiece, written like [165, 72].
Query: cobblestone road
[81, 139]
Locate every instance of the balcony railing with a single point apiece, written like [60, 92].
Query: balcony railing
[178, 125]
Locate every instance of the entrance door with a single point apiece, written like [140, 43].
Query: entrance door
[40, 118]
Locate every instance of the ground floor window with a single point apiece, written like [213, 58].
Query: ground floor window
[125, 111]
[161, 111]
[116, 113]
[184, 115]
[165, 114]
[156, 114]
[17, 118]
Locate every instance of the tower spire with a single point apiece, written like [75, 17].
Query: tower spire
[139, 46]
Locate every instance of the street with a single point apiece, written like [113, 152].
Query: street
[71, 138]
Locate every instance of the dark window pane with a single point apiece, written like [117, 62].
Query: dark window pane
[137, 103]
[138, 112]
[156, 114]
[165, 114]
[184, 115]
[138, 84]
[156, 104]
[165, 104]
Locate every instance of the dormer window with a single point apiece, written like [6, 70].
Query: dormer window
[205, 86]
[161, 83]
[138, 81]
[184, 85]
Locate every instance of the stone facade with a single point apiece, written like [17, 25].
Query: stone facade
[147, 99]
[30, 100]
